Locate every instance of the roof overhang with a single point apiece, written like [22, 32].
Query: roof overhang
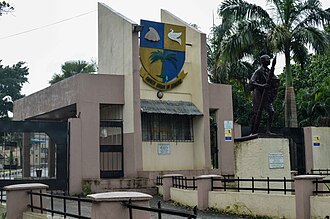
[169, 107]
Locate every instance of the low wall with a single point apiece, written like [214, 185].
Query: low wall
[160, 190]
[273, 205]
[186, 197]
[33, 215]
[320, 206]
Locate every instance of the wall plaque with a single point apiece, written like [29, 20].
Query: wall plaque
[276, 161]
[164, 149]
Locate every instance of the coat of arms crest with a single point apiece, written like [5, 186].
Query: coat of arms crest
[162, 54]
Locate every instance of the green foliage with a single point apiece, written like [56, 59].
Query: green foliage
[12, 79]
[4, 215]
[248, 31]
[71, 68]
[86, 188]
[5, 7]
[312, 85]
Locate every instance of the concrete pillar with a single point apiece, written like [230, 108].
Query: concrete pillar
[308, 138]
[51, 158]
[304, 188]
[167, 184]
[18, 199]
[204, 185]
[109, 205]
[26, 154]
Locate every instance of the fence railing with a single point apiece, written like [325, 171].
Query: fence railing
[325, 184]
[252, 185]
[51, 210]
[159, 210]
[322, 172]
[181, 182]
[159, 181]
[3, 197]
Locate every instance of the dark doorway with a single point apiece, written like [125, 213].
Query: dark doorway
[214, 141]
[34, 151]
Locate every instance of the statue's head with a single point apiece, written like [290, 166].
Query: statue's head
[265, 60]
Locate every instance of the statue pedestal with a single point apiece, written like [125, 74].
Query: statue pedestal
[262, 156]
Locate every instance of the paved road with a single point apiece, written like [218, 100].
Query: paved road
[86, 210]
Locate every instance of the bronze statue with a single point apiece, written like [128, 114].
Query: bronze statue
[264, 85]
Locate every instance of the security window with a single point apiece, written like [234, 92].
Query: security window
[164, 127]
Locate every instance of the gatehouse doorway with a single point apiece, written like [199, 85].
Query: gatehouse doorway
[34, 152]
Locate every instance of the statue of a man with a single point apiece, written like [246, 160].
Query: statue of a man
[264, 85]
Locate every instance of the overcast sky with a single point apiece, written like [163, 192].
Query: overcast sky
[46, 33]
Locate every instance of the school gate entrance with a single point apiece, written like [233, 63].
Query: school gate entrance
[34, 152]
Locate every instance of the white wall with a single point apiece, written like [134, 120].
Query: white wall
[252, 158]
[321, 154]
[180, 157]
[253, 204]
[320, 206]
[186, 197]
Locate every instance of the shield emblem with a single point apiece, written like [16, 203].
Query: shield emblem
[162, 54]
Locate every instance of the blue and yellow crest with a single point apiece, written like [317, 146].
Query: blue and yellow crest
[162, 54]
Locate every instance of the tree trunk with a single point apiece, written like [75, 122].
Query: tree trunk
[290, 108]
[290, 116]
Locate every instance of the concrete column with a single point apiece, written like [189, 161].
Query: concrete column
[304, 188]
[51, 158]
[167, 184]
[109, 205]
[18, 199]
[26, 154]
[204, 185]
[308, 138]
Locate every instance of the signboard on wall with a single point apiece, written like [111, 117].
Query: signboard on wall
[228, 135]
[316, 141]
[276, 161]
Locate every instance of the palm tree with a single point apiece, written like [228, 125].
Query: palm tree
[163, 57]
[71, 68]
[291, 29]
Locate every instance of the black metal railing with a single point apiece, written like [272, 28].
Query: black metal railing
[325, 189]
[3, 196]
[322, 172]
[181, 182]
[159, 210]
[159, 181]
[52, 210]
[253, 185]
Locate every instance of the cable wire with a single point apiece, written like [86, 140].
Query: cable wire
[47, 25]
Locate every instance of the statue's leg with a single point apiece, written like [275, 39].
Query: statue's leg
[271, 112]
[256, 103]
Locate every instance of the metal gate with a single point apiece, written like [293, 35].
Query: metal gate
[34, 152]
[111, 149]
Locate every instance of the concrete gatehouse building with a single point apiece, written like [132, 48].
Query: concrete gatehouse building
[139, 116]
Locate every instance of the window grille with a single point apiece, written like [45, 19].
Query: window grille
[163, 127]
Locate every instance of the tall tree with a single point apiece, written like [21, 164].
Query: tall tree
[71, 68]
[290, 29]
[12, 79]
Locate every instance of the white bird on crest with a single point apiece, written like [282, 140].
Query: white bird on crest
[174, 36]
